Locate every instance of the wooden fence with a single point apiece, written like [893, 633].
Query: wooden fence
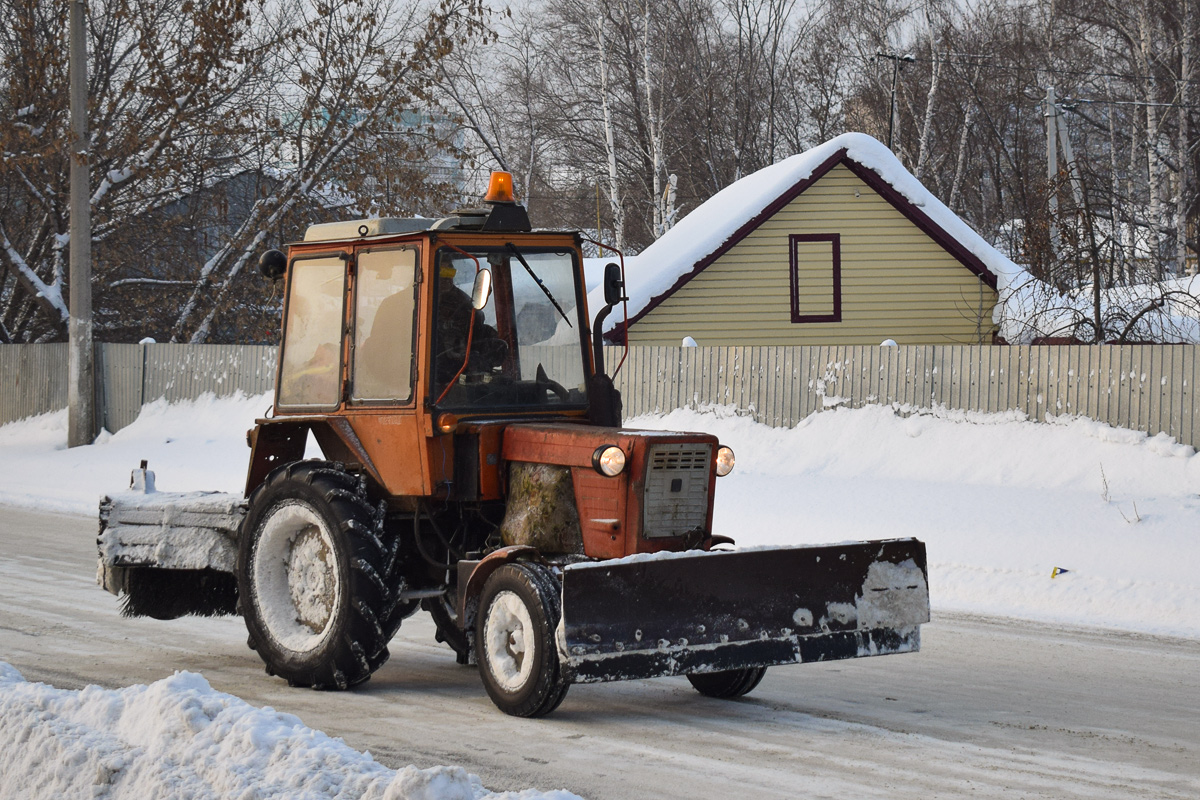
[33, 377]
[1149, 388]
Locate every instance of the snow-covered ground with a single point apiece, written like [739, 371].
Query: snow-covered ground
[197, 445]
[179, 738]
[1000, 502]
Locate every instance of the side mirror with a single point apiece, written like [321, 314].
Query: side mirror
[614, 287]
[272, 264]
[482, 290]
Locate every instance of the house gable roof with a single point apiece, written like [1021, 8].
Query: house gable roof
[718, 224]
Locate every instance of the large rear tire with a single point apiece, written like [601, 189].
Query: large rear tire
[727, 685]
[519, 611]
[318, 581]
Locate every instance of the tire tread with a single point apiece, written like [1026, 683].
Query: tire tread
[727, 685]
[375, 585]
[550, 688]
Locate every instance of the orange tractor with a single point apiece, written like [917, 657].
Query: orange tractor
[474, 466]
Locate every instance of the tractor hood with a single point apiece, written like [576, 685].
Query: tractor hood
[661, 500]
[573, 445]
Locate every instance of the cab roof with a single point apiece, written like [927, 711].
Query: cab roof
[501, 217]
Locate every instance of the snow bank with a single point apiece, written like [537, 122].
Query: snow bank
[998, 500]
[178, 737]
[193, 445]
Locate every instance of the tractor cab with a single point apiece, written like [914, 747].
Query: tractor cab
[518, 347]
[408, 344]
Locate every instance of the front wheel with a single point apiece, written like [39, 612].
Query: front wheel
[514, 640]
[729, 684]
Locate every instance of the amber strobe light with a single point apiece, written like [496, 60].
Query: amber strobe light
[500, 188]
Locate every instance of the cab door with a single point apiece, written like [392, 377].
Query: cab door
[381, 400]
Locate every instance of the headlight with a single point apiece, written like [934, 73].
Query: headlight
[725, 461]
[608, 460]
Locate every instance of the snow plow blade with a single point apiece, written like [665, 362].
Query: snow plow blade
[680, 613]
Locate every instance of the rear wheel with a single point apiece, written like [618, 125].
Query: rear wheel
[445, 618]
[727, 685]
[317, 584]
[514, 640]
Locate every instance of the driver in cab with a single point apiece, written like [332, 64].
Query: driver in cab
[488, 350]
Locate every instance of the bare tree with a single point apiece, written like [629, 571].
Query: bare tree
[630, 93]
[186, 98]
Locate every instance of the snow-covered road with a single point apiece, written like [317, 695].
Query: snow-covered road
[989, 708]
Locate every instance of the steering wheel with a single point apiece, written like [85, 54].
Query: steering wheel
[494, 351]
[546, 384]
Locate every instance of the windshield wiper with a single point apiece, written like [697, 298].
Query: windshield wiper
[541, 285]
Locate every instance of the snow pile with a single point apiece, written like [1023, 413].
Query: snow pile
[714, 222]
[178, 737]
[998, 500]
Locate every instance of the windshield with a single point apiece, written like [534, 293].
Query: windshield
[525, 349]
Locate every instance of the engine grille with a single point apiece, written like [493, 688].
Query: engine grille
[676, 497]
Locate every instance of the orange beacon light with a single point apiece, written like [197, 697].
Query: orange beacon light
[500, 188]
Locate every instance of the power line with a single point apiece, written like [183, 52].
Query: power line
[948, 58]
[1067, 102]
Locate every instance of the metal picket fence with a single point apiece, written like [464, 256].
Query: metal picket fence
[1149, 388]
[33, 377]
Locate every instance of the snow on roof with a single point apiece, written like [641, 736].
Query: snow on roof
[713, 223]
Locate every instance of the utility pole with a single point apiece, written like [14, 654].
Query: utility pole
[81, 392]
[1051, 115]
[1064, 143]
[897, 62]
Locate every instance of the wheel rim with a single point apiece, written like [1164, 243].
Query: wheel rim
[509, 641]
[296, 582]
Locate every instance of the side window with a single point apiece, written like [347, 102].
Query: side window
[385, 302]
[311, 368]
[816, 273]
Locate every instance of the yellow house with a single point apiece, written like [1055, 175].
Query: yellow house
[838, 245]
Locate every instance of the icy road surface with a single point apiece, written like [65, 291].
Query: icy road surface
[989, 708]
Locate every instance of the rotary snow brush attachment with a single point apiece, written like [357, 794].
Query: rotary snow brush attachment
[694, 612]
[168, 555]
[174, 593]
